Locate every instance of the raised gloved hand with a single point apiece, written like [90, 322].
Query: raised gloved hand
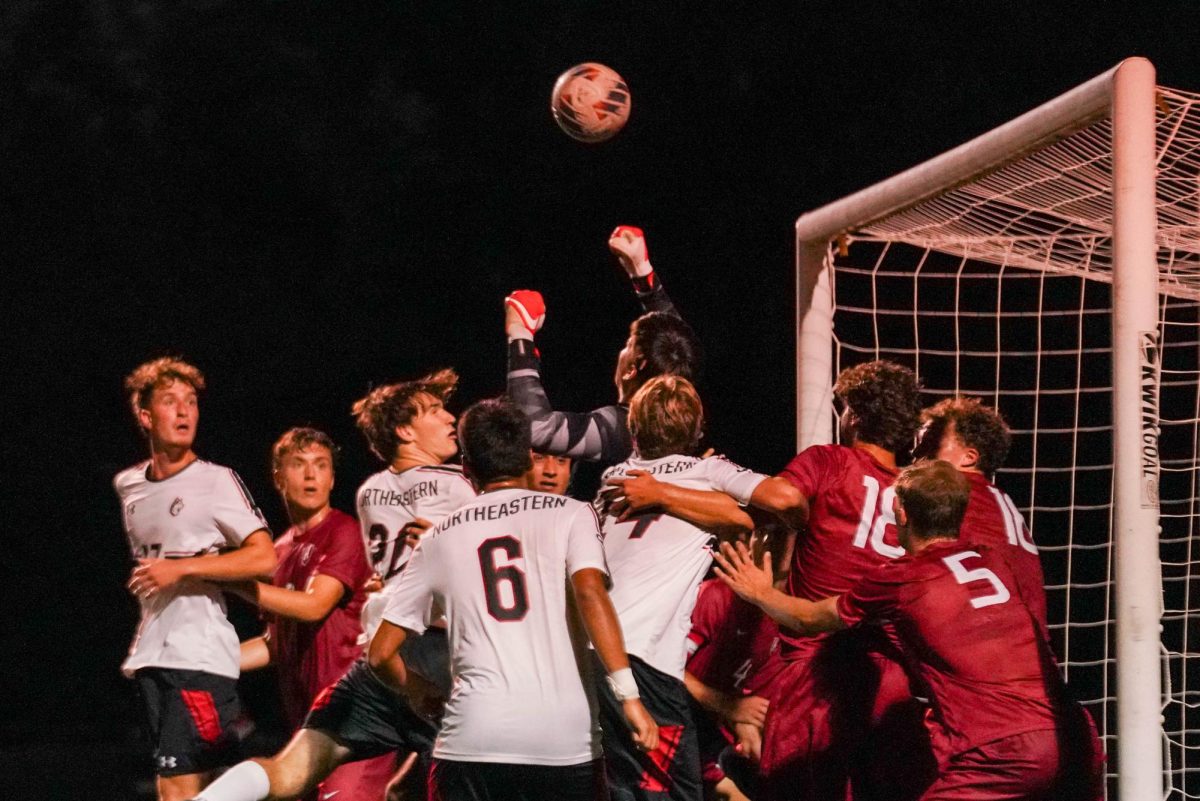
[524, 313]
[628, 244]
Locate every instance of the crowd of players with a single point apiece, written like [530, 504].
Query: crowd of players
[478, 634]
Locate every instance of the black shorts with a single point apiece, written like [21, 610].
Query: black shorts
[369, 718]
[189, 713]
[428, 655]
[450, 780]
[670, 772]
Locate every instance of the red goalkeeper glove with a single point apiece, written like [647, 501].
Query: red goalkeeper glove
[524, 313]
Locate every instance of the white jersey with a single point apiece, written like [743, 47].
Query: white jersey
[386, 503]
[202, 509]
[658, 561]
[498, 568]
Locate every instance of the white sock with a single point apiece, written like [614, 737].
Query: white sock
[243, 782]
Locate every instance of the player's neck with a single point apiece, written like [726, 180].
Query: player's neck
[166, 461]
[410, 456]
[504, 483]
[307, 519]
[881, 455]
[918, 544]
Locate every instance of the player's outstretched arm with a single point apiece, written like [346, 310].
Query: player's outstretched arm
[600, 621]
[781, 498]
[639, 491]
[255, 557]
[599, 435]
[755, 583]
[750, 709]
[310, 605]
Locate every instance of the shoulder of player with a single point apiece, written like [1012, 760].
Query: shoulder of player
[130, 476]
[449, 473]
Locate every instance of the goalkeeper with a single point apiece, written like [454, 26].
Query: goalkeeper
[660, 342]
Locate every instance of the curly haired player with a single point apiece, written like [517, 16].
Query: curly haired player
[827, 693]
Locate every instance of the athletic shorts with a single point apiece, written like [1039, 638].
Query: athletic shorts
[670, 772]
[451, 780]
[1023, 766]
[428, 655]
[189, 713]
[367, 717]
[843, 714]
[712, 740]
[364, 780]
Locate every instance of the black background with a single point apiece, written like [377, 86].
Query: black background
[306, 199]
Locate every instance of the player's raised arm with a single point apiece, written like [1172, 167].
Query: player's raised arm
[628, 244]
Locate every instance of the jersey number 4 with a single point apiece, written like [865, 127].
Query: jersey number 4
[496, 575]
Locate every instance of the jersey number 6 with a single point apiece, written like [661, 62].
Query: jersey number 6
[494, 575]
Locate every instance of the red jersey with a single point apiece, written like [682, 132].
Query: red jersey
[956, 614]
[851, 526]
[311, 656]
[730, 640]
[992, 519]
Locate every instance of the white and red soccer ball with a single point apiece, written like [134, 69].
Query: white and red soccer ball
[590, 102]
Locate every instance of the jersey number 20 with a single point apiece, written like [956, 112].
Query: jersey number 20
[495, 575]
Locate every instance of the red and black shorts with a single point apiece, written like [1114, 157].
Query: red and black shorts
[451, 780]
[672, 771]
[369, 718]
[189, 713]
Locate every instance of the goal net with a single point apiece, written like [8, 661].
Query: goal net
[996, 271]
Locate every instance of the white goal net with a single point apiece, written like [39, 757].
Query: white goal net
[999, 284]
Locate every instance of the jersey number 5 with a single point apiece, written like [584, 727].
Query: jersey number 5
[495, 575]
[964, 576]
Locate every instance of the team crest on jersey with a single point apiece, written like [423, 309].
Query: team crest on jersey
[306, 552]
[176, 507]
[130, 508]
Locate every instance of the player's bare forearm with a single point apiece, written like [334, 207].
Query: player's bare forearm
[383, 655]
[599, 618]
[255, 558]
[708, 697]
[708, 509]
[255, 654]
[754, 582]
[310, 605]
[779, 497]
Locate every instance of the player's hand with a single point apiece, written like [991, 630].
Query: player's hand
[750, 709]
[524, 313]
[628, 244]
[735, 567]
[413, 530]
[748, 741]
[635, 492]
[645, 730]
[373, 584]
[152, 576]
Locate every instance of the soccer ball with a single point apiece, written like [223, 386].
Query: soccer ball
[590, 102]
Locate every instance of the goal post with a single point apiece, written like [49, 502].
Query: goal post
[1052, 266]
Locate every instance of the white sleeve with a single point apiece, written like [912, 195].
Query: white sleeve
[585, 545]
[410, 604]
[233, 510]
[732, 479]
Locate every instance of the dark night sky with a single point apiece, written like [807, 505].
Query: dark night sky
[308, 198]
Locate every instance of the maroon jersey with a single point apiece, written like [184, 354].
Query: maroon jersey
[730, 639]
[311, 656]
[851, 526]
[993, 519]
[956, 614]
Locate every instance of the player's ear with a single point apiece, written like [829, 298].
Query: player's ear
[404, 434]
[143, 417]
[898, 512]
[970, 458]
[277, 478]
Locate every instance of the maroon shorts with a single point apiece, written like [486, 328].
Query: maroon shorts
[1023, 766]
[364, 780]
[843, 714]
